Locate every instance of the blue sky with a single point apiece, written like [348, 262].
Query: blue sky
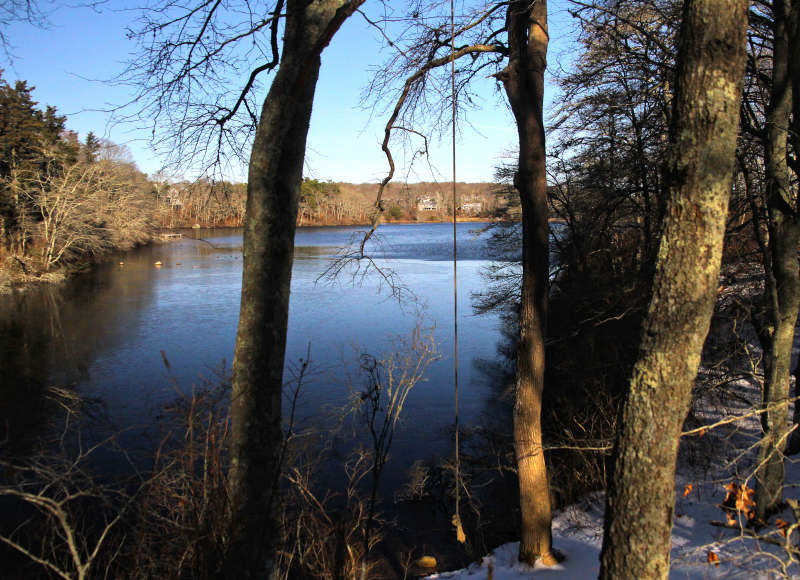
[67, 61]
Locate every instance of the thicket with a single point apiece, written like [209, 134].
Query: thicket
[63, 202]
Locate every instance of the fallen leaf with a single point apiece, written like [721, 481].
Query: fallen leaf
[713, 558]
[688, 489]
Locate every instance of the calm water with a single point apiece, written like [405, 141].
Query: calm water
[103, 332]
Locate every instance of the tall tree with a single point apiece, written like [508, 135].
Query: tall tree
[782, 286]
[794, 73]
[703, 133]
[511, 38]
[523, 80]
[190, 55]
[612, 124]
[273, 187]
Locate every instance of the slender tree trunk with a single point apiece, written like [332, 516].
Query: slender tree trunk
[703, 135]
[523, 80]
[782, 288]
[794, 73]
[274, 177]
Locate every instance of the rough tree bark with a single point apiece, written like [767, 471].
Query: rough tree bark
[523, 80]
[274, 178]
[703, 135]
[782, 288]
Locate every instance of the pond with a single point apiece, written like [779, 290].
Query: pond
[103, 333]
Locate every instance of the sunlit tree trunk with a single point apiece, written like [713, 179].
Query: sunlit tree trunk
[274, 178]
[705, 122]
[523, 80]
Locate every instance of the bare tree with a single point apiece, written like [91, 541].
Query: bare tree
[71, 520]
[782, 286]
[704, 128]
[509, 39]
[523, 80]
[81, 209]
[380, 405]
[16, 11]
[191, 53]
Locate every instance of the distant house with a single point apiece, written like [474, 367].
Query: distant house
[427, 204]
[172, 195]
[174, 201]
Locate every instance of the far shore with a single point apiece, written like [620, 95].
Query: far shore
[460, 219]
[13, 275]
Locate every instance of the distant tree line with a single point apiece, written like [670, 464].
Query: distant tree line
[222, 203]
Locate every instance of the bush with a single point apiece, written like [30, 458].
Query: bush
[396, 212]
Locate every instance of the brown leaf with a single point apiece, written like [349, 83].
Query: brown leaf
[426, 562]
[713, 558]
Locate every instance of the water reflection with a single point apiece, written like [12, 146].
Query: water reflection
[25, 360]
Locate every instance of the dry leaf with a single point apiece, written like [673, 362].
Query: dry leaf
[739, 499]
[782, 525]
[688, 489]
[426, 562]
[713, 558]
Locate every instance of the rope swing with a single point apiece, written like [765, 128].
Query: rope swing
[462, 538]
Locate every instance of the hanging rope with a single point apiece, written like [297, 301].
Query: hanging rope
[457, 516]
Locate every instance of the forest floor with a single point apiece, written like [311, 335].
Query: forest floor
[702, 545]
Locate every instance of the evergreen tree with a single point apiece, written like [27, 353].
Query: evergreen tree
[25, 132]
[91, 148]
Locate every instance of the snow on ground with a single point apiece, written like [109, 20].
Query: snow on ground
[578, 529]
[578, 535]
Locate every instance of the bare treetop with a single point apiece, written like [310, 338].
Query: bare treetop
[15, 11]
[196, 71]
[414, 81]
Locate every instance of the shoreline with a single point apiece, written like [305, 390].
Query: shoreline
[346, 225]
[19, 278]
[367, 224]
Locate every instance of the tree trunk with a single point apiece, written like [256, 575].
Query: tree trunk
[523, 80]
[703, 135]
[274, 177]
[794, 74]
[782, 288]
